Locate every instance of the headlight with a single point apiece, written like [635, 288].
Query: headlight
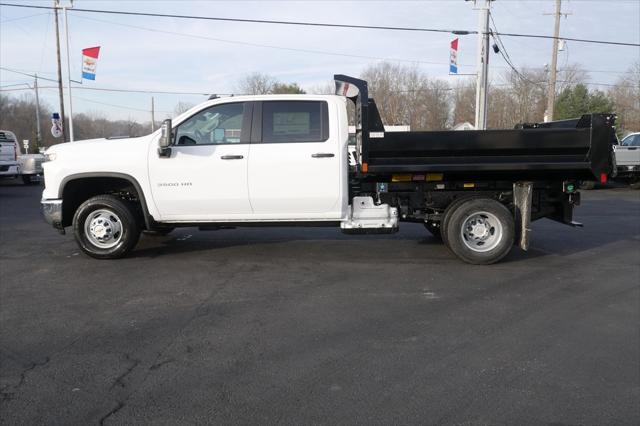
[49, 156]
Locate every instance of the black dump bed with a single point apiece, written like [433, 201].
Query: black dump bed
[578, 149]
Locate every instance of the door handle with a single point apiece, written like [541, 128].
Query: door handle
[232, 157]
[322, 155]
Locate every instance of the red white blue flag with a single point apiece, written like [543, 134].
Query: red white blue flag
[453, 59]
[90, 62]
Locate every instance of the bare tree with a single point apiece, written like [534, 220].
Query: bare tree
[182, 107]
[464, 102]
[569, 76]
[406, 96]
[256, 84]
[328, 88]
[626, 97]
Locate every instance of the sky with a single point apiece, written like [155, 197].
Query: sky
[169, 54]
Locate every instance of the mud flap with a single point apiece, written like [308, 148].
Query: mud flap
[522, 196]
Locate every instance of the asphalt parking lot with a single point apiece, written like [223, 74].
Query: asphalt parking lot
[309, 326]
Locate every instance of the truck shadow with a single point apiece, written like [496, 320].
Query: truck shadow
[607, 220]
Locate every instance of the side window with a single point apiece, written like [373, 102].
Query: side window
[294, 121]
[219, 124]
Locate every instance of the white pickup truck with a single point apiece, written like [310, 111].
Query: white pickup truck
[283, 160]
[627, 155]
[9, 166]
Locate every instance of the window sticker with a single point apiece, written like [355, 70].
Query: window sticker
[291, 123]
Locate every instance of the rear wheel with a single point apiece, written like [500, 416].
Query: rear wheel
[106, 227]
[480, 231]
[447, 215]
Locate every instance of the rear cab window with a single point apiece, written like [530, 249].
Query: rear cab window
[295, 121]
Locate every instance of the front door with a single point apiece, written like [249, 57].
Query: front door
[205, 177]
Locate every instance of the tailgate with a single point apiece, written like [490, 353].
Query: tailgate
[7, 151]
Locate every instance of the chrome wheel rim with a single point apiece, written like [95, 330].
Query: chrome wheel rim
[103, 228]
[481, 232]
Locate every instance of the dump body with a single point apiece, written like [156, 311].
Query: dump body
[581, 152]
[569, 149]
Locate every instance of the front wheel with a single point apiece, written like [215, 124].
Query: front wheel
[105, 227]
[480, 231]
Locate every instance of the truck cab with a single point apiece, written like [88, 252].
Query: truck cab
[279, 158]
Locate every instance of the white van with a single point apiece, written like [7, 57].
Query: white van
[9, 155]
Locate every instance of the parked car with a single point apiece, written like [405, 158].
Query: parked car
[31, 168]
[628, 159]
[9, 167]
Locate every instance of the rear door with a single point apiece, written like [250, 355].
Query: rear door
[294, 162]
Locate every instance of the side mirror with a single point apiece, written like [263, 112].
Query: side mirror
[164, 142]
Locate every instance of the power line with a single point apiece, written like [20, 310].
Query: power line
[27, 74]
[252, 21]
[165, 92]
[268, 46]
[321, 52]
[322, 24]
[505, 55]
[116, 105]
[23, 17]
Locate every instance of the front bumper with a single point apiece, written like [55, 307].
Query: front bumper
[52, 212]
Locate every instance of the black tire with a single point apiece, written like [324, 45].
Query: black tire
[444, 223]
[492, 218]
[26, 179]
[434, 229]
[160, 232]
[118, 215]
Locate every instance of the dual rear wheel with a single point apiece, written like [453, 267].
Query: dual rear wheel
[479, 231]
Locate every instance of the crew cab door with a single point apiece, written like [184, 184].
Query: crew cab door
[205, 176]
[295, 161]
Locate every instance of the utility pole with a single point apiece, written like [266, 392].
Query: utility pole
[153, 124]
[38, 133]
[551, 94]
[66, 26]
[60, 91]
[482, 78]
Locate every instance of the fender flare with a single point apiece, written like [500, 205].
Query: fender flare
[149, 221]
